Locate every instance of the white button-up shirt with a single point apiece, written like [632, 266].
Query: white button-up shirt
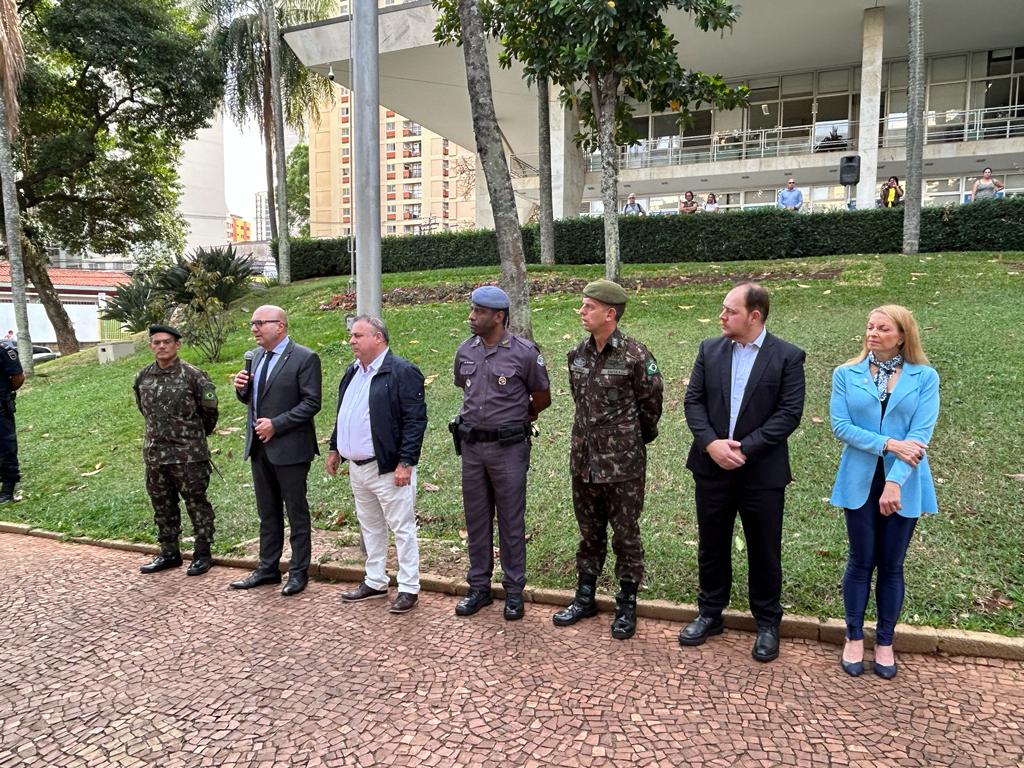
[743, 357]
[355, 440]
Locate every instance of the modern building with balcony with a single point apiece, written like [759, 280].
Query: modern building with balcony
[827, 79]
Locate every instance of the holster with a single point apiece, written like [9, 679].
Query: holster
[454, 427]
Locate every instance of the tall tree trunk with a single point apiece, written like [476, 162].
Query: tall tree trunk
[12, 228]
[604, 94]
[268, 153]
[35, 268]
[492, 159]
[547, 214]
[284, 261]
[915, 130]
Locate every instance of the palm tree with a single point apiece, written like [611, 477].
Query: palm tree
[12, 64]
[915, 130]
[244, 41]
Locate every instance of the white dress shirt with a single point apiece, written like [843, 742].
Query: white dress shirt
[743, 357]
[355, 441]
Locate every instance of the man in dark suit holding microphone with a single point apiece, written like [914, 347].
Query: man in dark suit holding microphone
[745, 398]
[283, 395]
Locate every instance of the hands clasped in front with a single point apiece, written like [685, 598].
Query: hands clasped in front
[727, 454]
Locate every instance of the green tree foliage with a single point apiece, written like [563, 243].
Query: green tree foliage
[606, 56]
[112, 90]
[204, 317]
[298, 190]
[220, 272]
[138, 304]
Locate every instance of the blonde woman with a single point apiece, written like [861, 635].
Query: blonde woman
[884, 406]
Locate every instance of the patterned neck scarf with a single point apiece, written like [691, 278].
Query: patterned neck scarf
[886, 368]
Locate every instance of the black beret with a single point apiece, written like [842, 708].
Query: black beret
[154, 329]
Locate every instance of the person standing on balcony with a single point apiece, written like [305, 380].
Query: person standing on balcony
[711, 204]
[790, 198]
[632, 207]
[986, 187]
[689, 205]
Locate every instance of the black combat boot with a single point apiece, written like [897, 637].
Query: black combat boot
[202, 560]
[624, 626]
[6, 492]
[168, 558]
[582, 607]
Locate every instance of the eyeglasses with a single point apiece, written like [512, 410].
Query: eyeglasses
[261, 323]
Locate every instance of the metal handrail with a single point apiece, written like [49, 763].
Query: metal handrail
[953, 126]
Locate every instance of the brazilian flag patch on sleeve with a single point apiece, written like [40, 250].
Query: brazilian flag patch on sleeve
[652, 367]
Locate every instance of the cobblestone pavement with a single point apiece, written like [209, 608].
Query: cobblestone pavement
[101, 666]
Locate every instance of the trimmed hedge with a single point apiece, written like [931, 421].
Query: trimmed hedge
[762, 233]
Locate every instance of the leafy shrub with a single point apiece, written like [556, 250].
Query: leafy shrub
[138, 304]
[761, 233]
[229, 276]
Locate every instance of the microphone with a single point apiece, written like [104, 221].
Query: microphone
[248, 356]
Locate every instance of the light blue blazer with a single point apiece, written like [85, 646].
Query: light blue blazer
[857, 420]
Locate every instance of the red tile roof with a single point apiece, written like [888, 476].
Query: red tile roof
[78, 278]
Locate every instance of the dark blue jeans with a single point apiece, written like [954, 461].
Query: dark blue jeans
[881, 542]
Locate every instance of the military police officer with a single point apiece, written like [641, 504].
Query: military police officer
[11, 377]
[617, 388]
[179, 403]
[505, 386]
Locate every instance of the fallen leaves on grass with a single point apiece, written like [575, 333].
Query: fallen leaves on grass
[995, 601]
[431, 487]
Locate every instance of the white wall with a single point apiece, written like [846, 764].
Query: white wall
[83, 316]
[202, 178]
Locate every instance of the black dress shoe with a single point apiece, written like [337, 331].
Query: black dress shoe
[514, 607]
[474, 600]
[256, 579]
[363, 592]
[200, 564]
[766, 646]
[700, 629]
[404, 603]
[296, 583]
[162, 562]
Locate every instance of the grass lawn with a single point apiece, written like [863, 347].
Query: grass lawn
[80, 434]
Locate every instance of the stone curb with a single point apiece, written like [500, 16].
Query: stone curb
[908, 639]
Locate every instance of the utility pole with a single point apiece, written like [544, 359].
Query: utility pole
[366, 96]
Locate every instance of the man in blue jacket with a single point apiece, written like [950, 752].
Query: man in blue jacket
[381, 419]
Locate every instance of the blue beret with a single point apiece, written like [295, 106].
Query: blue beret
[490, 296]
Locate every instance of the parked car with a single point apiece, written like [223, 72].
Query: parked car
[41, 354]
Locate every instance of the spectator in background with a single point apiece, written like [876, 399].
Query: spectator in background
[891, 193]
[790, 198]
[689, 205]
[632, 207]
[711, 204]
[986, 187]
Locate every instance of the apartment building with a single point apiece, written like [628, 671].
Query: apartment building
[426, 180]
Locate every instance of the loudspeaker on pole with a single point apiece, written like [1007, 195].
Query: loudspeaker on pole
[849, 170]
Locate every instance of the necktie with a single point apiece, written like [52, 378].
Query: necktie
[263, 382]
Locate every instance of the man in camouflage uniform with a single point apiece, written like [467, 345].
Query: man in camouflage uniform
[179, 403]
[617, 388]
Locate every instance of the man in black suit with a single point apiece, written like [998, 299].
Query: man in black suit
[745, 398]
[283, 395]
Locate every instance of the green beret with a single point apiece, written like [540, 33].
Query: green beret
[155, 329]
[606, 292]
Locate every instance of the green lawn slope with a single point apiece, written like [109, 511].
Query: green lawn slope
[80, 434]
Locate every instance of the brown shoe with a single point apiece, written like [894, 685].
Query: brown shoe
[363, 592]
[404, 603]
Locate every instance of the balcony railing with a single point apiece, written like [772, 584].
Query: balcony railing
[832, 136]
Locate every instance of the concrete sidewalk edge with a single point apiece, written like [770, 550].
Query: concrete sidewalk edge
[908, 638]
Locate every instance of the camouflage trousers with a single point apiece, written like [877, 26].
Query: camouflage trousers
[599, 505]
[165, 483]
